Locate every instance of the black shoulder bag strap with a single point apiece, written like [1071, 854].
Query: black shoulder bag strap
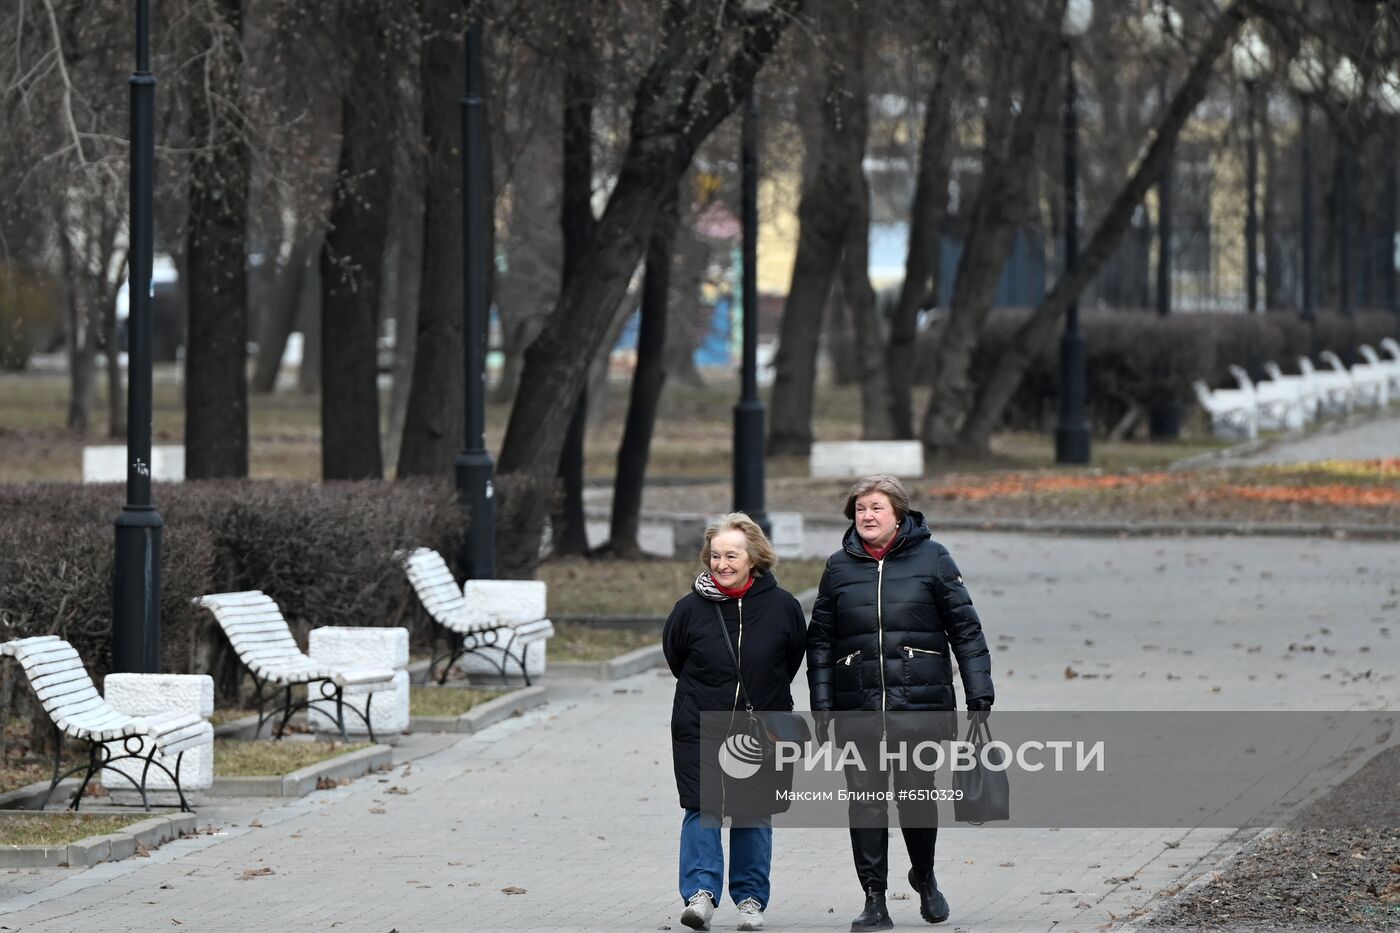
[724, 630]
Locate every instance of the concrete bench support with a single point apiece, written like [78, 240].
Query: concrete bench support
[347, 646]
[854, 459]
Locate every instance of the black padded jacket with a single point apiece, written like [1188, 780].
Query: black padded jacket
[768, 631]
[882, 631]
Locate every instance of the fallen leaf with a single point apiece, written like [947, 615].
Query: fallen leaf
[376, 810]
[255, 825]
[251, 873]
[512, 889]
[1070, 673]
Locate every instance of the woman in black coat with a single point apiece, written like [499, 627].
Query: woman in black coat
[767, 632]
[890, 609]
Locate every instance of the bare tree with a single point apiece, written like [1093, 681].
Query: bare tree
[702, 68]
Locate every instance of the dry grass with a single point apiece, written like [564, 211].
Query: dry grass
[242, 758]
[646, 587]
[448, 701]
[693, 431]
[580, 641]
[58, 829]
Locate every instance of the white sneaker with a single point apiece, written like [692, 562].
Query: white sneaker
[699, 909]
[750, 914]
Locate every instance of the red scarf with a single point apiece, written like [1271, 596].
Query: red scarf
[733, 594]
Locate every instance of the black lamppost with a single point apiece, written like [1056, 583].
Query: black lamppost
[1346, 84]
[1163, 26]
[1072, 438]
[1388, 99]
[1251, 58]
[748, 412]
[473, 464]
[1308, 77]
[136, 574]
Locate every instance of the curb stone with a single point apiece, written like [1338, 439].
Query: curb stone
[303, 781]
[1200, 881]
[109, 847]
[509, 704]
[624, 665]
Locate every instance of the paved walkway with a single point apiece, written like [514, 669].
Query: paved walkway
[574, 803]
[1370, 440]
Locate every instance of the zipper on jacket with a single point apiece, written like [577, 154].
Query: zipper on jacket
[910, 652]
[880, 625]
[849, 658]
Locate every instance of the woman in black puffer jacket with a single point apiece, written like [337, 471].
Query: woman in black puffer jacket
[890, 610]
[767, 631]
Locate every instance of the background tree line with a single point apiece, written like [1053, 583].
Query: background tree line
[309, 180]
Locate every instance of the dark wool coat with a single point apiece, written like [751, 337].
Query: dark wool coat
[882, 632]
[768, 631]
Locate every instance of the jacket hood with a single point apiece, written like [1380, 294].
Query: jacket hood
[912, 530]
[705, 586]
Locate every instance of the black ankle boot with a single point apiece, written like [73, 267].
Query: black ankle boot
[933, 906]
[875, 916]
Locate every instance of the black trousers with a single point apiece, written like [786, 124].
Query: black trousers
[870, 818]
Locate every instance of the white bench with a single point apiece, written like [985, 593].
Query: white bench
[1280, 403]
[854, 459]
[1376, 375]
[1335, 396]
[491, 624]
[107, 463]
[1299, 385]
[365, 646]
[263, 641]
[1234, 413]
[1391, 361]
[77, 710]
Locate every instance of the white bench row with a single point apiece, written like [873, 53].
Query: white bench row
[1288, 402]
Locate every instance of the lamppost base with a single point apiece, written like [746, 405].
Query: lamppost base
[1072, 443]
[136, 591]
[474, 469]
[749, 443]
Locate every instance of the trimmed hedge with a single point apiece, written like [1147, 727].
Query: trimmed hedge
[323, 551]
[1137, 358]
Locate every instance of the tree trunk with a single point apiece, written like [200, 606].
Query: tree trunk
[408, 282]
[869, 331]
[311, 321]
[678, 103]
[216, 240]
[648, 379]
[577, 223]
[922, 265]
[436, 417]
[116, 396]
[1039, 327]
[1001, 204]
[822, 215]
[351, 261]
[281, 318]
[80, 364]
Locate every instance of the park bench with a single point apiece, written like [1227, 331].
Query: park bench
[1335, 395]
[1300, 385]
[1234, 413]
[1280, 404]
[1391, 348]
[1368, 386]
[496, 621]
[1384, 370]
[263, 641]
[61, 683]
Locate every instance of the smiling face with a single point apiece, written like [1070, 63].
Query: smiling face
[730, 564]
[875, 519]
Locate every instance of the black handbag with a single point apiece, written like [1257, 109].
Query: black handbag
[986, 794]
[767, 727]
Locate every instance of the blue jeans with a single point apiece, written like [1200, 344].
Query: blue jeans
[702, 859]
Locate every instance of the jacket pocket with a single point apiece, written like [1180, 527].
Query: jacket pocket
[847, 679]
[922, 666]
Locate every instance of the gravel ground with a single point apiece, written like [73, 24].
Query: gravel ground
[1344, 876]
[1189, 497]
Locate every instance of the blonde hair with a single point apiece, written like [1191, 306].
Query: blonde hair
[760, 549]
[879, 482]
